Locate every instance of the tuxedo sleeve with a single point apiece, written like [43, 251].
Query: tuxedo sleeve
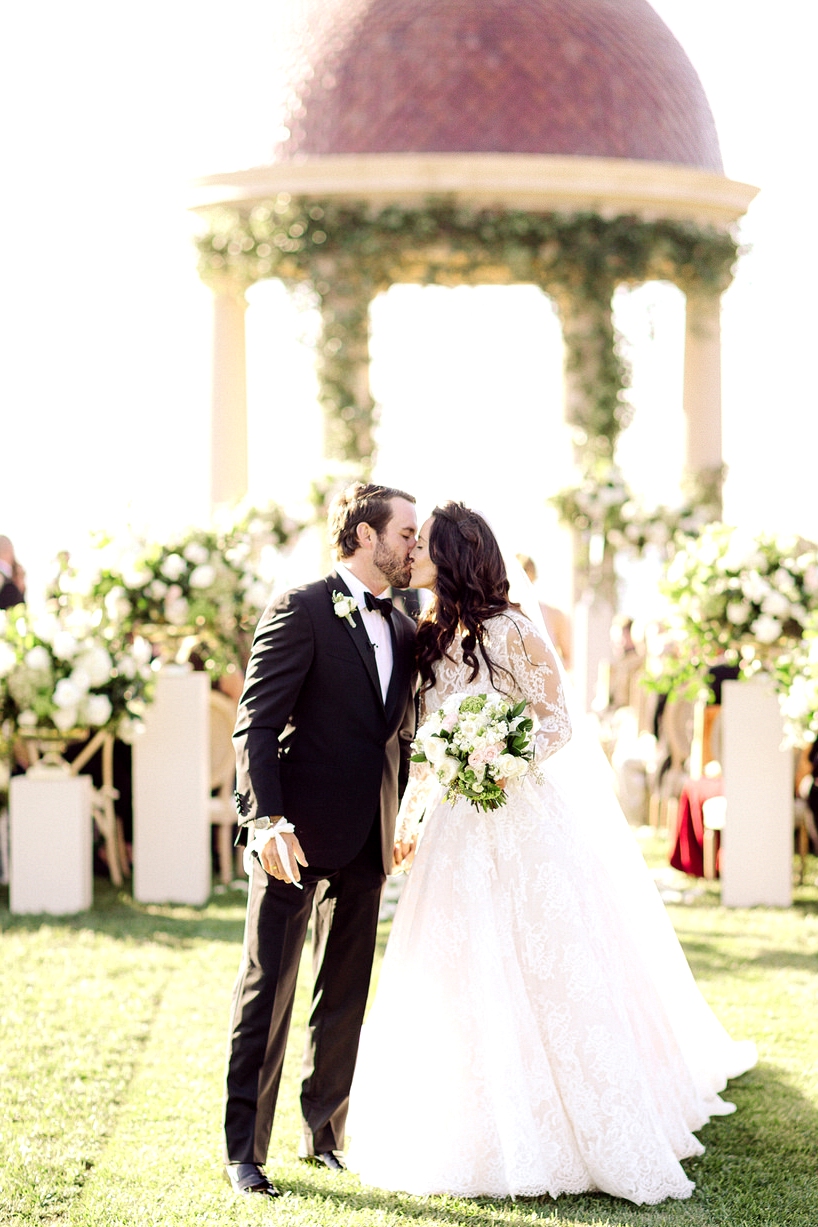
[282, 653]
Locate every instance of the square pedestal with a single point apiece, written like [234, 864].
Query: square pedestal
[51, 844]
[757, 840]
[171, 775]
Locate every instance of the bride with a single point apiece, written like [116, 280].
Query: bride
[543, 1029]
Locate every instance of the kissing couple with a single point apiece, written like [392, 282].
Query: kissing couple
[536, 1027]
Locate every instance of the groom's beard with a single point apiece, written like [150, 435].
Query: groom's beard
[395, 567]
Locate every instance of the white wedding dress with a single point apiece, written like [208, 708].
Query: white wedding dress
[536, 1028]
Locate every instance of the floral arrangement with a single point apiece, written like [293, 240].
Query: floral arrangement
[60, 671]
[796, 678]
[207, 586]
[472, 742]
[602, 506]
[746, 600]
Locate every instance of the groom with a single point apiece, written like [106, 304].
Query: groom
[322, 741]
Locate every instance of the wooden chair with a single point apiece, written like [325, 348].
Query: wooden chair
[102, 804]
[676, 739]
[222, 779]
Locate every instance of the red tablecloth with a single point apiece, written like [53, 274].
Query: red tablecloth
[687, 848]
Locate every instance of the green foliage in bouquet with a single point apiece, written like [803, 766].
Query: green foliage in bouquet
[473, 742]
[743, 600]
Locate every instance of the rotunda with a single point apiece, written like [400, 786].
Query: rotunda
[568, 143]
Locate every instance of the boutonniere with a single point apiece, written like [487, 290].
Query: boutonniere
[344, 605]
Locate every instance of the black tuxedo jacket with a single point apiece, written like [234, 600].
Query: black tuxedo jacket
[314, 739]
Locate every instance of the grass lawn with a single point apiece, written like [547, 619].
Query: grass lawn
[112, 1034]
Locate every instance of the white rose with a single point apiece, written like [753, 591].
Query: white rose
[97, 709]
[27, 720]
[811, 579]
[117, 604]
[80, 622]
[776, 604]
[196, 553]
[45, 627]
[38, 659]
[766, 629]
[754, 587]
[737, 612]
[256, 595]
[141, 651]
[129, 729]
[435, 750]
[173, 567]
[64, 645]
[447, 770]
[157, 589]
[8, 659]
[127, 667]
[65, 718]
[510, 767]
[67, 694]
[176, 610]
[202, 577]
[136, 575]
[80, 679]
[97, 663]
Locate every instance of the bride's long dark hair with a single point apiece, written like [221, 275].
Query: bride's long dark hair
[472, 585]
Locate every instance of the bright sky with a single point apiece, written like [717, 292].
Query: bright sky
[113, 109]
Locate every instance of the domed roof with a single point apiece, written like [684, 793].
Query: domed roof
[592, 78]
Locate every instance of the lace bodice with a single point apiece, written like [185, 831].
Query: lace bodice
[525, 669]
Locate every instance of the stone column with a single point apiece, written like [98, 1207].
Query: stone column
[702, 397]
[228, 462]
[343, 368]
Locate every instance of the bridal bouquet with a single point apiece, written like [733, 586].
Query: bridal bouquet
[473, 741]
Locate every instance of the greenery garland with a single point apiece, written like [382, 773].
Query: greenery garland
[348, 252]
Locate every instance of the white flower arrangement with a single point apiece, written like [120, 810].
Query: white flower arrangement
[58, 672]
[208, 586]
[344, 606]
[473, 742]
[737, 597]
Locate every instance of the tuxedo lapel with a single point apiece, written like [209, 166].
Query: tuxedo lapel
[358, 635]
[401, 665]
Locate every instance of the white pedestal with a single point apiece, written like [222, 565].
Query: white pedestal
[51, 844]
[171, 776]
[756, 846]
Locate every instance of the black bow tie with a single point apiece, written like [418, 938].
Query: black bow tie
[381, 604]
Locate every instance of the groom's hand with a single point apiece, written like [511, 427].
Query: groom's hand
[271, 861]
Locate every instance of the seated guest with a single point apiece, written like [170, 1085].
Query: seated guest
[12, 576]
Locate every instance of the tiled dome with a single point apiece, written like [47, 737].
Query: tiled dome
[592, 78]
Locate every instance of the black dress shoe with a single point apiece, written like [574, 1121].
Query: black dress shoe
[249, 1178]
[329, 1159]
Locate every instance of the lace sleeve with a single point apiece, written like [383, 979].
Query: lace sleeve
[415, 801]
[537, 676]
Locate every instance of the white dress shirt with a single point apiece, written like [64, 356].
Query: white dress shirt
[375, 625]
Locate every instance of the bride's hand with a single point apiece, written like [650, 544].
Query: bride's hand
[402, 855]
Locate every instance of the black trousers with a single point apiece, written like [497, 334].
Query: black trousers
[344, 905]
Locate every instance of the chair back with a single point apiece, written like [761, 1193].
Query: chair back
[222, 752]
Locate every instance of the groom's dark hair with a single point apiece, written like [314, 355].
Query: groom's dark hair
[360, 503]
